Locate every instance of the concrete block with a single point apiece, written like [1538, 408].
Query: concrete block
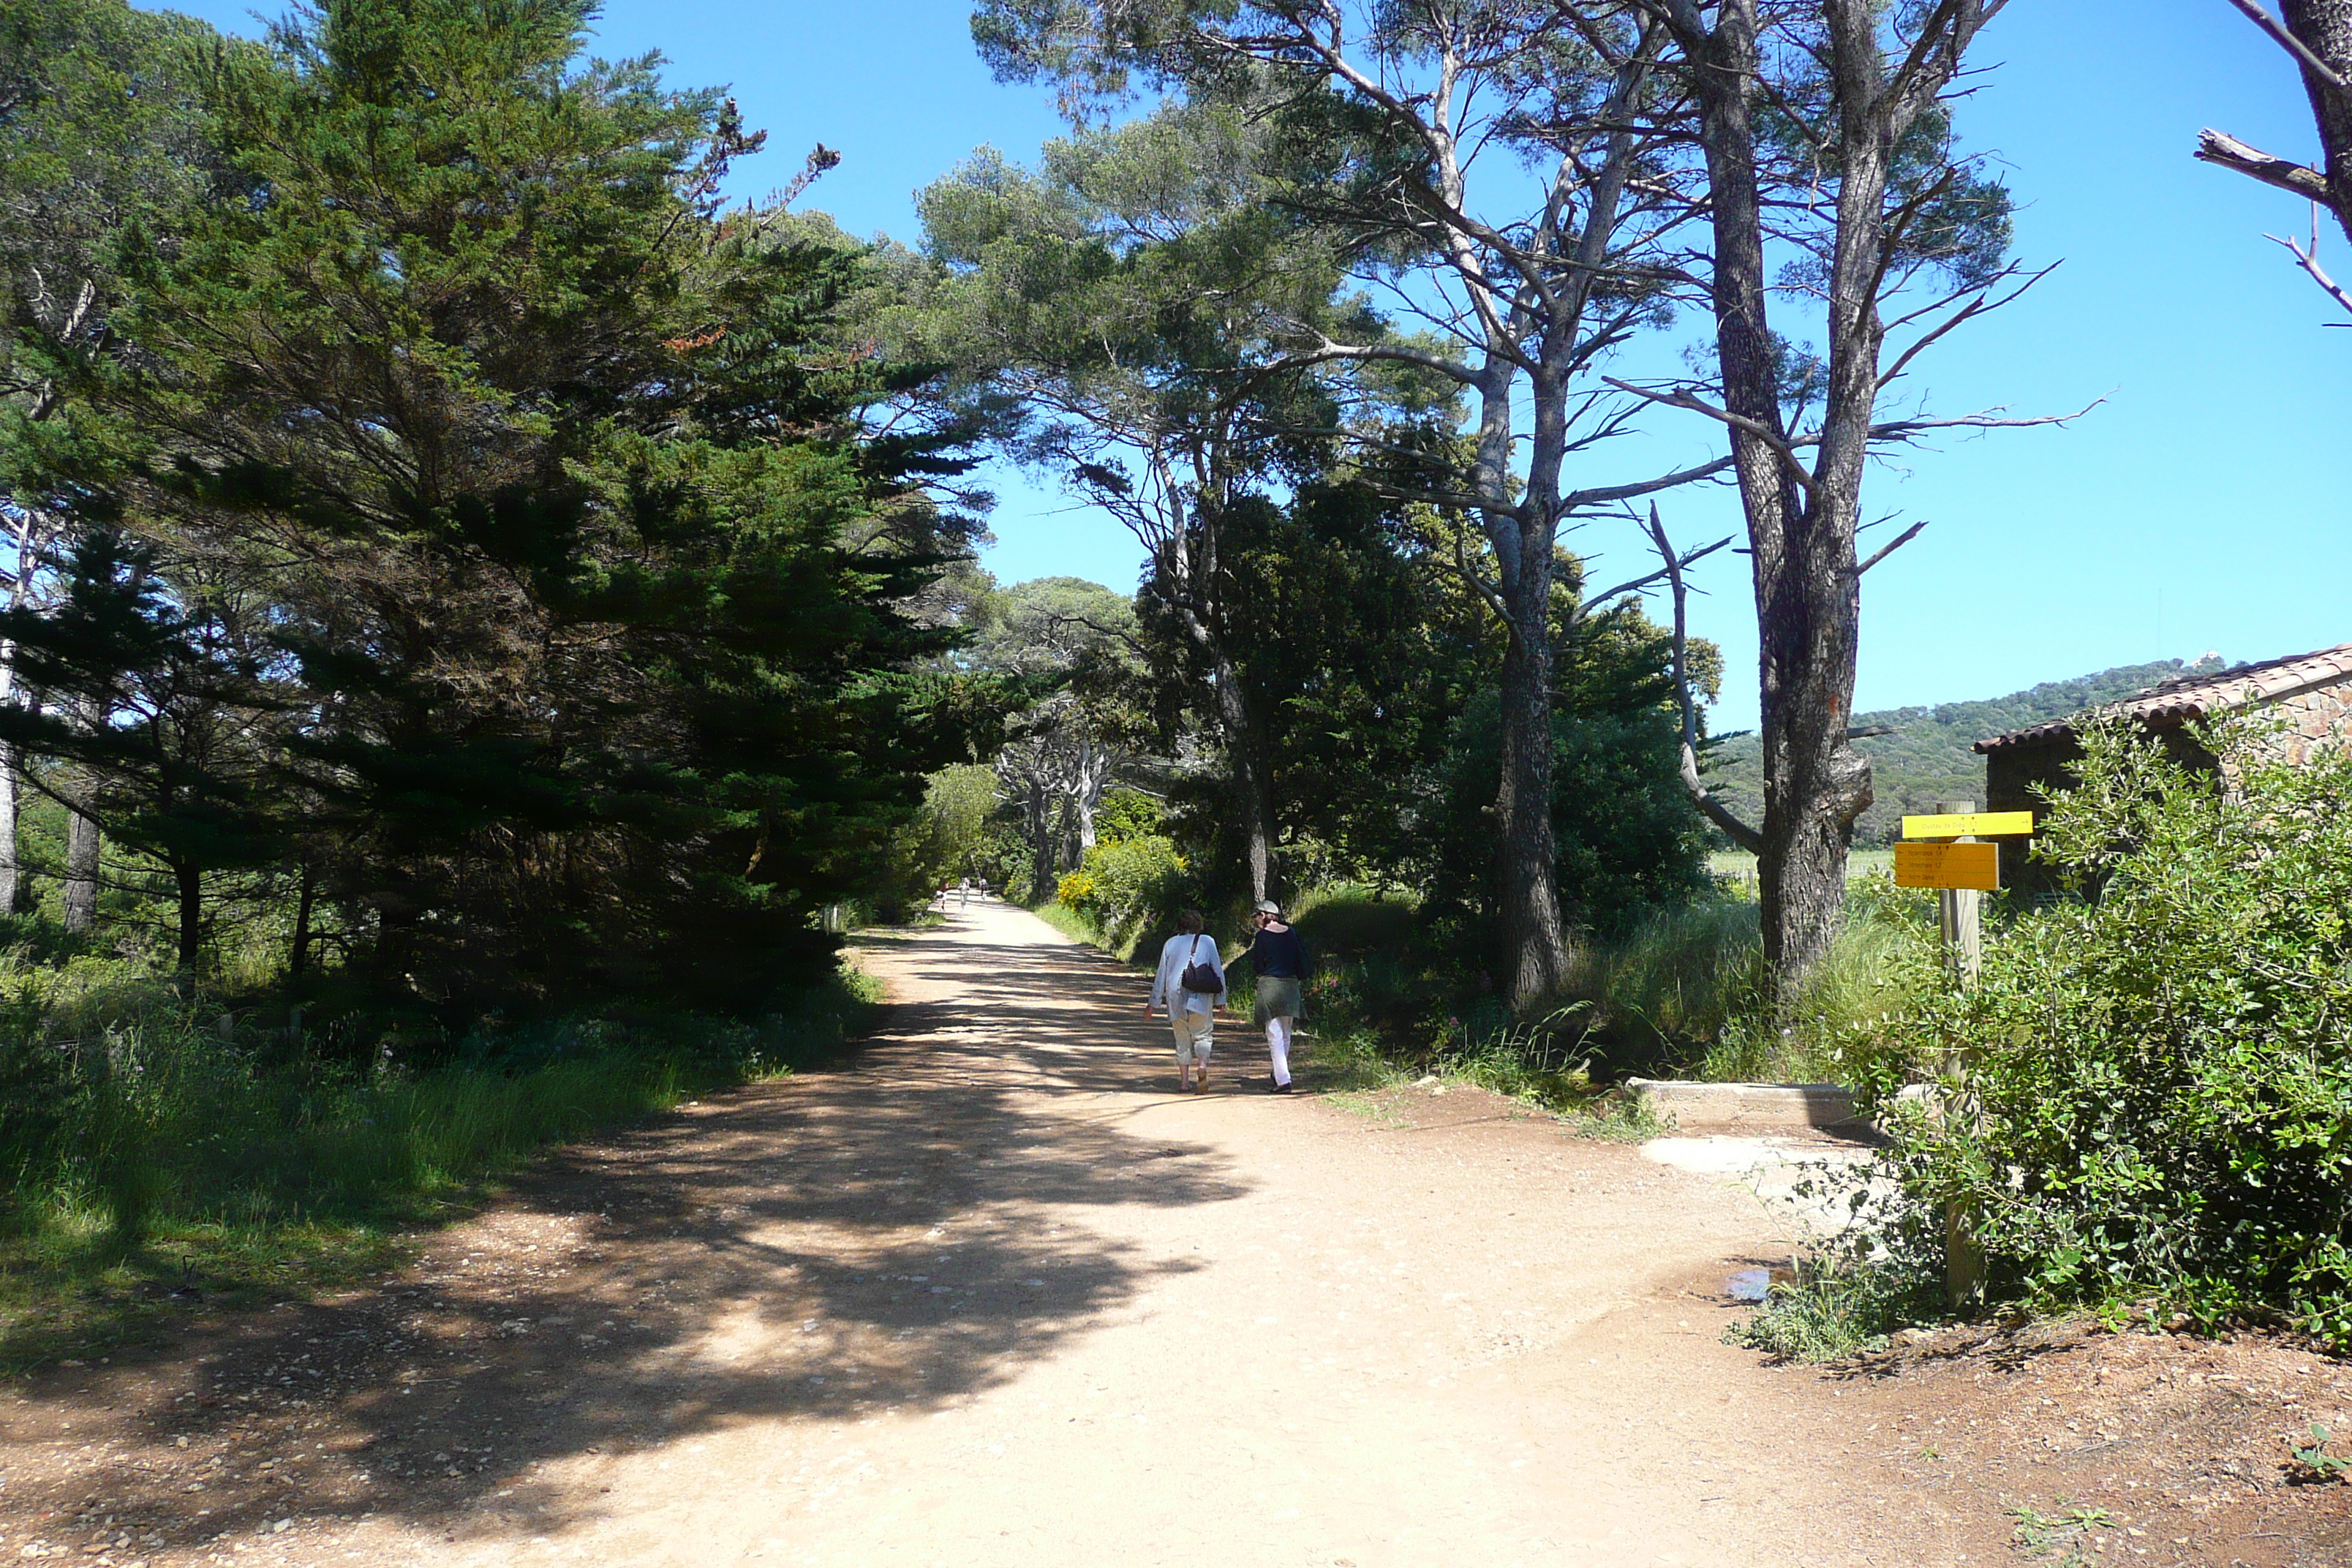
[1694, 1106]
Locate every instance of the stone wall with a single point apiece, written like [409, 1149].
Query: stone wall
[2314, 719]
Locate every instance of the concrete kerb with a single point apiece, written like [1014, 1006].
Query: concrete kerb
[1699, 1108]
[1746, 1107]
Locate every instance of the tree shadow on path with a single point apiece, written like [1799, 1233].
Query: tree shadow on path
[903, 1231]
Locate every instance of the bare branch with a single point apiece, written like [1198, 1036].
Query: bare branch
[2290, 44]
[1483, 589]
[1714, 810]
[1607, 495]
[1900, 540]
[2309, 261]
[2284, 173]
[1904, 429]
[1682, 397]
[1329, 351]
[1113, 632]
[1635, 584]
[1982, 304]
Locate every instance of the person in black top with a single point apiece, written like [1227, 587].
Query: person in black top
[1279, 960]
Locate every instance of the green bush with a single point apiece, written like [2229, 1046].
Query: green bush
[1345, 919]
[2147, 1093]
[1838, 1302]
[1125, 885]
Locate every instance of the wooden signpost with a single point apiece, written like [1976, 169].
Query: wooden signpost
[1944, 851]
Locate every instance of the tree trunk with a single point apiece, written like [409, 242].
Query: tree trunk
[11, 888]
[1087, 797]
[12, 880]
[1188, 566]
[1815, 786]
[1038, 816]
[81, 873]
[1807, 592]
[300, 960]
[191, 883]
[1246, 749]
[1535, 935]
[2325, 28]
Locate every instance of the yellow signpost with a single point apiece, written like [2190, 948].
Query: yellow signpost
[1975, 866]
[1962, 872]
[1970, 825]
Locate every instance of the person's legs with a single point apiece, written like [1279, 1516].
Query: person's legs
[1277, 1046]
[1204, 1041]
[1190, 1029]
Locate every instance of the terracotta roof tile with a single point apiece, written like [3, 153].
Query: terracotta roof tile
[2197, 696]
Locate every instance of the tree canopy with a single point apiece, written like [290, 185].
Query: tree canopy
[505, 518]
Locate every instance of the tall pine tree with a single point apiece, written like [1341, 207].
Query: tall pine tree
[553, 480]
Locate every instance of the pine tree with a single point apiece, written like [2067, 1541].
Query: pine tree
[554, 483]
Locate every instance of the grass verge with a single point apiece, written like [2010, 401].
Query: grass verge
[167, 1157]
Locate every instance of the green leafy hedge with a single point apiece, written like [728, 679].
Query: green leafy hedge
[1125, 882]
[2148, 1093]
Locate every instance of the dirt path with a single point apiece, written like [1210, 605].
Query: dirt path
[993, 1295]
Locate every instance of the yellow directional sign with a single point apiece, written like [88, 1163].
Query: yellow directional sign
[1948, 865]
[1971, 825]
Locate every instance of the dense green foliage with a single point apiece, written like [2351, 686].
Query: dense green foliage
[1125, 886]
[477, 618]
[2147, 1087]
[459, 511]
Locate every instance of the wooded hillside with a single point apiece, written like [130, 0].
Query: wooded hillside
[1928, 757]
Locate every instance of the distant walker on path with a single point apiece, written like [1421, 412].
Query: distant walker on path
[1280, 960]
[1191, 984]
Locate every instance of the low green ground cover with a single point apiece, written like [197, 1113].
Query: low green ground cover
[144, 1144]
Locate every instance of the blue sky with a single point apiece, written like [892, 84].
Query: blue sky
[2207, 504]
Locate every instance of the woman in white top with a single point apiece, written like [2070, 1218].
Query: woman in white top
[1190, 1012]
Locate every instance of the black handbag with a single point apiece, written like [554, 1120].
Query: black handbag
[1201, 979]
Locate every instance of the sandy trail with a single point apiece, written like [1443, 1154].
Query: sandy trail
[993, 1294]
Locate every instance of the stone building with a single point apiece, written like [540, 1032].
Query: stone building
[2309, 693]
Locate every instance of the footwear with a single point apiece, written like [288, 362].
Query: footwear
[1278, 1088]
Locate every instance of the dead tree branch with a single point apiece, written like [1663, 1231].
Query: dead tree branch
[1683, 397]
[2309, 261]
[1900, 540]
[2283, 173]
[1714, 810]
[2286, 40]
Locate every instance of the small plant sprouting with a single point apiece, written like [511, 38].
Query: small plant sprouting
[2313, 1462]
[2040, 1533]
